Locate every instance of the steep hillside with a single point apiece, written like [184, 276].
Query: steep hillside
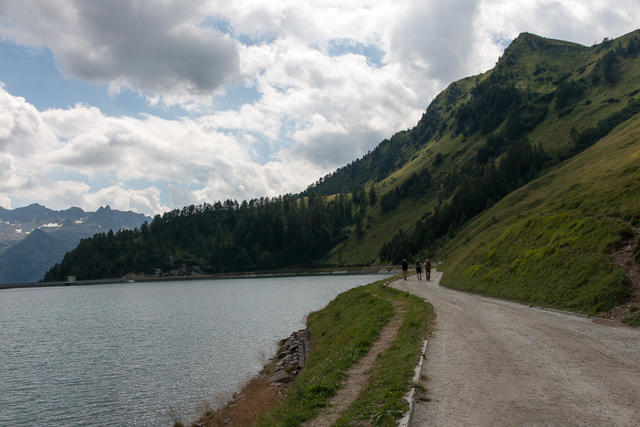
[535, 109]
[536, 80]
[551, 242]
[27, 260]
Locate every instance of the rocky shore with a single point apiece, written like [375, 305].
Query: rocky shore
[291, 357]
[263, 392]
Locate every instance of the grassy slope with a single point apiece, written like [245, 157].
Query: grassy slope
[342, 333]
[549, 242]
[533, 62]
[380, 227]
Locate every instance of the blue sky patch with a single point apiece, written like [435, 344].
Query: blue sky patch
[373, 54]
[32, 74]
[224, 26]
[501, 40]
[236, 96]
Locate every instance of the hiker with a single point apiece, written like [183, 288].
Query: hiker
[405, 268]
[419, 270]
[427, 270]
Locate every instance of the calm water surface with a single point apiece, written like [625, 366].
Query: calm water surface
[143, 353]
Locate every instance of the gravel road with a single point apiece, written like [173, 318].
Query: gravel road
[492, 363]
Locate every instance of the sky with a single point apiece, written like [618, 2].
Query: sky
[152, 105]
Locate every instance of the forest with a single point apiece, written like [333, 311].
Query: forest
[260, 234]
[476, 192]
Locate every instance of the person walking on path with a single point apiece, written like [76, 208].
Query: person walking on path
[419, 270]
[427, 270]
[405, 268]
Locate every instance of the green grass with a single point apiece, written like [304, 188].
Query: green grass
[342, 333]
[632, 318]
[556, 261]
[382, 403]
[549, 243]
[378, 229]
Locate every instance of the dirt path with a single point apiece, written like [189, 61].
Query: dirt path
[497, 363]
[357, 376]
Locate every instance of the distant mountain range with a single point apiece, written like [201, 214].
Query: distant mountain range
[33, 238]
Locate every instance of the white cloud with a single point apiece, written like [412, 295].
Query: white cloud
[157, 48]
[114, 153]
[7, 167]
[354, 103]
[5, 201]
[317, 107]
[22, 131]
[63, 194]
[435, 38]
[584, 22]
[181, 196]
[146, 200]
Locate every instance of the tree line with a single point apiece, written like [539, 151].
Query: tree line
[228, 236]
[414, 186]
[474, 193]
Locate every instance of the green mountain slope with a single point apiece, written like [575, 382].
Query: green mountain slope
[550, 242]
[545, 94]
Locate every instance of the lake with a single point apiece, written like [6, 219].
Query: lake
[144, 353]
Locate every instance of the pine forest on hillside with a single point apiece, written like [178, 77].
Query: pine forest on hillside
[261, 234]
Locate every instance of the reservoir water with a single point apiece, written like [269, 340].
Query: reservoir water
[144, 353]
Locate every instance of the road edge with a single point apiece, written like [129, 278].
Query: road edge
[410, 397]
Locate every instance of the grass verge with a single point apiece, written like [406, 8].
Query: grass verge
[550, 243]
[381, 402]
[342, 333]
[557, 261]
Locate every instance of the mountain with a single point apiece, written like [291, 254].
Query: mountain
[33, 238]
[16, 224]
[535, 201]
[563, 240]
[545, 107]
[536, 80]
[484, 136]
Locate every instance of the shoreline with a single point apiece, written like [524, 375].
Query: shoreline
[262, 391]
[267, 395]
[385, 269]
[265, 398]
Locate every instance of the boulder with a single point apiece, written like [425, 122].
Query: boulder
[280, 376]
